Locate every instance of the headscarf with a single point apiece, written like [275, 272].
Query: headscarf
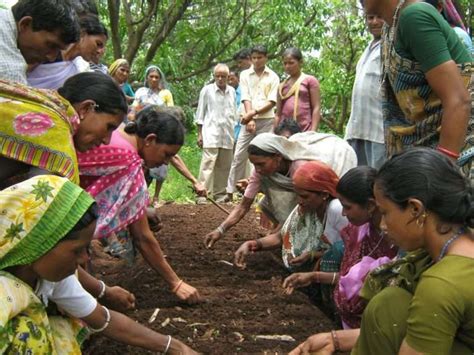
[163, 83]
[37, 128]
[117, 64]
[328, 148]
[35, 215]
[317, 177]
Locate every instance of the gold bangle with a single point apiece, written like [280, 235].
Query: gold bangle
[333, 278]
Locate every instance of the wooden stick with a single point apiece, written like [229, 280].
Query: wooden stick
[214, 203]
[217, 205]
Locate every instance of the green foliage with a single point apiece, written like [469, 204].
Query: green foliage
[206, 32]
[341, 47]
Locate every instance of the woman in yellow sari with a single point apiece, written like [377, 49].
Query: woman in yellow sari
[46, 224]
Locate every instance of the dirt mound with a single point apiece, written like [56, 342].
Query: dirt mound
[240, 305]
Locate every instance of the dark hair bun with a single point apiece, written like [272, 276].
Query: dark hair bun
[131, 127]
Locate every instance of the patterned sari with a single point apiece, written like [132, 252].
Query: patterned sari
[359, 242]
[113, 175]
[37, 128]
[412, 112]
[26, 327]
[36, 215]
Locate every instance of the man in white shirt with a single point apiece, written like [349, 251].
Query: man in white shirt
[32, 32]
[216, 115]
[364, 131]
[259, 87]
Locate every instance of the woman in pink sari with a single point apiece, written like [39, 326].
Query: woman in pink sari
[113, 175]
[298, 95]
[365, 246]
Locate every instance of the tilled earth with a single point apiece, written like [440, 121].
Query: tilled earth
[240, 305]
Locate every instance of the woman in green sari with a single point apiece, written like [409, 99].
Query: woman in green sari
[46, 224]
[428, 81]
[424, 302]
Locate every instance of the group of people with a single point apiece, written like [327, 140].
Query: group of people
[237, 107]
[370, 243]
[72, 171]
[369, 227]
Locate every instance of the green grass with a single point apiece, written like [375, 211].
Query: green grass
[176, 188]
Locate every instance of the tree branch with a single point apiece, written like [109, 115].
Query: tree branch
[170, 19]
[136, 32]
[211, 59]
[114, 16]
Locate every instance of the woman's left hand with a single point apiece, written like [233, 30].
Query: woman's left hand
[200, 189]
[119, 299]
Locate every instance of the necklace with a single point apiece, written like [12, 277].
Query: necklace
[446, 245]
[381, 234]
[390, 39]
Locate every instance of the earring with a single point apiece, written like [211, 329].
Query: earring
[81, 118]
[420, 222]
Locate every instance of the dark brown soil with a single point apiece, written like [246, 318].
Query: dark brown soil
[239, 304]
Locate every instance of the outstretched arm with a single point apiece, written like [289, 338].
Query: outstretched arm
[126, 330]
[149, 247]
[234, 217]
[179, 164]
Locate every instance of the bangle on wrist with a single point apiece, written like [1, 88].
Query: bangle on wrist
[335, 341]
[221, 229]
[102, 289]
[259, 244]
[178, 285]
[333, 278]
[447, 152]
[167, 345]
[106, 324]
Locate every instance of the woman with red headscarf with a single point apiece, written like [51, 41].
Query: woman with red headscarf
[313, 225]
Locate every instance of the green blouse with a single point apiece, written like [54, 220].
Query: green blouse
[443, 307]
[425, 37]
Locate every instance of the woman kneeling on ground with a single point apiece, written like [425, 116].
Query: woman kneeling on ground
[312, 227]
[113, 175]
[47, 225]
[424, 302]
[365, 246]
[276, 159]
